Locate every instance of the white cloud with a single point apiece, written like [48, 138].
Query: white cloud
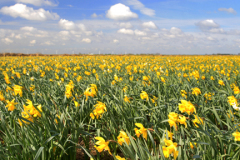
[27, 28]
[81, 26]
[48, 43]
[21, 10]
[64, 35]
[229, 10]
[208, 25]
[216, 30]
[70, 25]
[165, 41]
[94, 15]
[120, 12]
[87, 40]
[139, 33]
[149, 24]
[18, 36]
[7, 40]
[139, 6]
[38, 2]
[33, 42]
[210, 39]
[146, 38]
[175, 31]
[115, 41]
[125, 25]
[125, 31]
[132, 32]
[31, 31]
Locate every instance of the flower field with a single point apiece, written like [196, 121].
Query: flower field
[120, 107]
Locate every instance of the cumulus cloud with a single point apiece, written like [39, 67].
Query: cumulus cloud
[125, 31]
[140, 33]
[48, 43]
[21, 10]
[209, 26]
[132, 32]
[70, 25]
[31, 31]
[125, 25]
[149, 24]
[64, 35]
[120, 12]
[18, 36]
[209, 23]
[38, 2]
[94, 15]
[32, 42]
[210, 39]
[28, 28]
[229, 10]
[86, 40]
[115, 41]
[139, 6]
[146, 38]
[7, 41]
[216, 30]
[176, 31]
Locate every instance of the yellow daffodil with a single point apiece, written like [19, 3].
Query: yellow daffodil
[196, 91]
[17, 90]
[11, 105]
[144, 95]
[197, 120]
[140, 131]
[123, 137]
[236, 136]
[186, 106]
[102, 145]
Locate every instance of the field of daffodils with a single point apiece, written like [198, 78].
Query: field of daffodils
[120, 107]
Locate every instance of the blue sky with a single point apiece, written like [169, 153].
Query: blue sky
[119, 26]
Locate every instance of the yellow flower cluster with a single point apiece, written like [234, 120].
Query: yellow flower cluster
[174, 119]
[232, 100]
[197, 120]
[208, 96]
[196, 91]
[98, 111]
[30, 112]
[183, 93]
[169, 148]
[2, 97]
[69, 89]
[236, 136]
[236, 90]
[186, 106]
[11, 105]
[123, 137]
[17, 90]
[6, 78]
[144, 95]
[91, 91]
[140, 131]
[102, 145]
[221, 82]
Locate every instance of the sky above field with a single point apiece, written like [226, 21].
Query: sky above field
[120, 26]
